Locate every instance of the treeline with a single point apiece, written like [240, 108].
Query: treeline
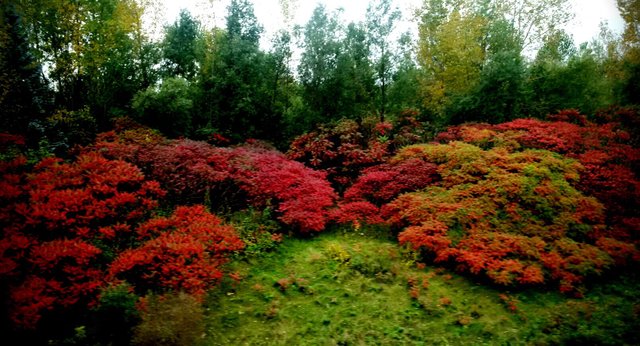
[68, 68]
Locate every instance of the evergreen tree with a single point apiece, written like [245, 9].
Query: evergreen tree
[179, 47]
[23, 93]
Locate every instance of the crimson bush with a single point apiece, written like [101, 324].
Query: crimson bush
[196, 172]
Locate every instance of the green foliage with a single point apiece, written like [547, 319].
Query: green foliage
[342, 287]
[167, 107]
[354, 74]
[23, 92]
[65, 129]
[318, 65]
[258, 230]
[381, 21]
[501, 90]
[115, 316]
[173, 319]
[180, 46]
[630, 63]
[451, 59]
[563, 77]
[241, 91]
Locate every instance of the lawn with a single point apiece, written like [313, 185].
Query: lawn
[359, 288]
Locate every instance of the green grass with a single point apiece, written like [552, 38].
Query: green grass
[349, 288]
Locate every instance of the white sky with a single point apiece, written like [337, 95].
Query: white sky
[588, 14]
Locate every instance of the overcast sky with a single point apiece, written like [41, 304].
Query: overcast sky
[588, 14]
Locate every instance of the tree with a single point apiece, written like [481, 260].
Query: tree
[93, 49]
[238, 85]
[563, 76]
[500, 92]
[451, 54]
[381, 19]
[113, 58]
[354, 75]
[179, 46]
[23, 92]
[318, 63]
[533, 20]
[629, 10]
[167, 107]
[282, 87]
[55, 31]
[404, 91]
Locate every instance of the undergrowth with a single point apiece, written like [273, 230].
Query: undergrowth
[360, 288]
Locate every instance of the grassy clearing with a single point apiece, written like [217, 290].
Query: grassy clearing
[347, 288]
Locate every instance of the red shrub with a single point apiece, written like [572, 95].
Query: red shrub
[341, 151]
[382, 183]
[196, 172]
[187, 169]
[93, 190]
[354, 212]
[348, 147]
[510, 216]
[51, 217]
[302, 196]
[7, 139]
[182, 252]
[569, 116]
[605, 149]
[63, 274]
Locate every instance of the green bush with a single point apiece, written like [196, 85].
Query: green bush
[176, 319]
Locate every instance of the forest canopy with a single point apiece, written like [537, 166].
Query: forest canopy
[70, 68]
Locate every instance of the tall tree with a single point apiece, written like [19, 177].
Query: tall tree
[500, 93]
[630, 12]
[281, 84]
[113, 57]
[91, 49]
[533, 20]
[321, 49]
[239, 84]
[180, 46]
[55, 31]
[547, 74]
[167, 107]
[354, 74]
[451, 53]
[404, 90]
[23, 93]
[381, 20]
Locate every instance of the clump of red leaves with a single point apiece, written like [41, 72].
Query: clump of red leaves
[381, 184]
[183, 252]
[514, 217]
[301, 195]
[344, 149]
[606, 149]
[53, 217]
[64, 223]
[196, 172]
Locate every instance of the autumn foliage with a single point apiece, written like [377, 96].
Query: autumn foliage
[344, 149]
[196, 172]
[54, 220]
[301, 196]
[526, 202]
[63, 224]
[511, 216]
[183, 252]
[606, 149]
